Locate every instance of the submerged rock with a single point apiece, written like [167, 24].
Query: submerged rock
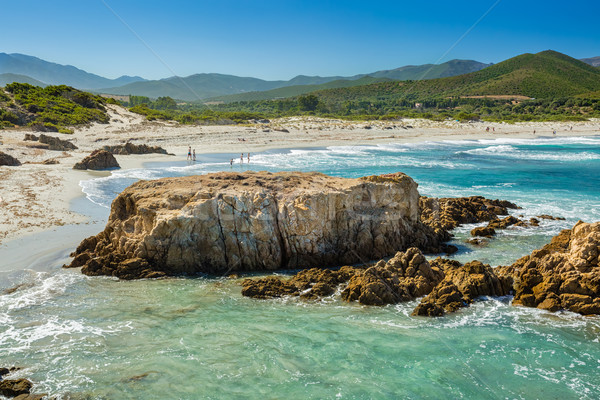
[98, 160]
[225, 222]
[564, 274]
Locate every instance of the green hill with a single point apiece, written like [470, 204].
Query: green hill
[547, 74]
[51, 108]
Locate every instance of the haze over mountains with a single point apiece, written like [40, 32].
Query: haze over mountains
[218, 87]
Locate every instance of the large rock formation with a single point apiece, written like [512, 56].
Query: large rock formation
[564, 274]
[98, 160]
[8, 160]
[255, 221]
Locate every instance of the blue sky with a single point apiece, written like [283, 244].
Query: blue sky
[280, 39]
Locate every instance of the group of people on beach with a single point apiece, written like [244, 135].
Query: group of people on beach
[241, 159]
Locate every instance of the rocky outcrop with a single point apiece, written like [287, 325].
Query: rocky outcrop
[404, 277]
[484, 231]
[98, 160]
[249, 221]
[461, 285]
[8, 160]
[50, 142]
[448, 285]
[130, 148]
[449, 213]
[564, 274]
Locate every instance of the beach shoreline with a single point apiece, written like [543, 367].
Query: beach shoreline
[38, 198]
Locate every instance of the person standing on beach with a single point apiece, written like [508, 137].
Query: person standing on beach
[189, 156]
[231, 163]
[194, 155]
[242, 158]
[248, 158]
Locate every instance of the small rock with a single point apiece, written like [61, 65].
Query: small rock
[8, 160]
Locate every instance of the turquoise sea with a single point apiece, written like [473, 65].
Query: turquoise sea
[198, 338]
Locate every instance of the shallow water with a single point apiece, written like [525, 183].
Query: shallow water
[199, 338]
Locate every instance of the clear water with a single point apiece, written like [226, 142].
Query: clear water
[199, 338]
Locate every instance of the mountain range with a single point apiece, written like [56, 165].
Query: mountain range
[219, 87]
[57, 74]
[547, 74]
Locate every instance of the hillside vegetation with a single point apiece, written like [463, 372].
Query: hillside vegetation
[52, 108]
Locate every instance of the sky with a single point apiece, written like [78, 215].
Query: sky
[279, 39]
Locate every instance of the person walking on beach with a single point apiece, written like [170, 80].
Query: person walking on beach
[242, 158]
[189, 156]
[231, 163]
[248, 158]
[194, 155]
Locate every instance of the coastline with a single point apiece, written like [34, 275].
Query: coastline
[37, 198]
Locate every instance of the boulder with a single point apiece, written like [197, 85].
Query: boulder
[15, 387]
[483, 231]
[8, 160]
[564, 274]
[98, 160]
[224, 222]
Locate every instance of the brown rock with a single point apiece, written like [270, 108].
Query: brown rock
[564, 274]
[550, 217]
[55, 143]
[448, 213]
[224, 222]
[98, 160]
[483, 231]
[404, 277]
[8, 160]
[461, 285]
[14, 387]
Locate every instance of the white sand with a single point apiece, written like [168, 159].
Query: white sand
[36, 197]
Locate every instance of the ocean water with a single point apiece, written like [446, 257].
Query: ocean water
[198, 338]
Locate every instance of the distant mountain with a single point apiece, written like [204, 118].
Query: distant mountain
[594, 61]
[547, 74]
[10, 78]
[57, 74]
[305, 84]
[295, 90]
[430, 71]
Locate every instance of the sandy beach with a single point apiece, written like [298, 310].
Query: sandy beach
[36, 197]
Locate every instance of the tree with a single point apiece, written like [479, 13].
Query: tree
[308, 103]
